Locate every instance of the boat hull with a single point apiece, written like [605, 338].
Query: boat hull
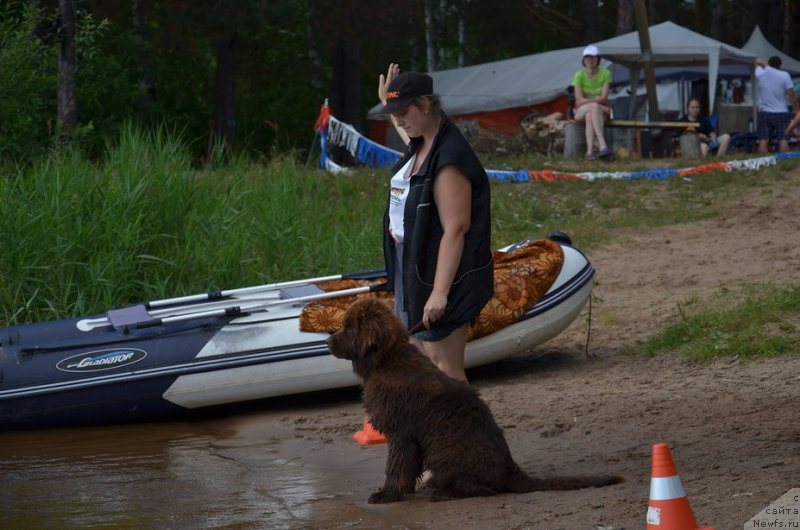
[66, 372]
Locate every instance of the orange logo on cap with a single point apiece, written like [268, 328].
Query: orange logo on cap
[392, 95]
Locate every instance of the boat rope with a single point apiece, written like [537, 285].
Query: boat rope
[588, 328]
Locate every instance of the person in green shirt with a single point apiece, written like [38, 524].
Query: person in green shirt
[591, 101]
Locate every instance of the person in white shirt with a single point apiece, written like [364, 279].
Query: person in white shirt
[774, 88]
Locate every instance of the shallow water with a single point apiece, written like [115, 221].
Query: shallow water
[287, 463]
[248, 471]
[154, 475]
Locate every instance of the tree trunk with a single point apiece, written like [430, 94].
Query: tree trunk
[653, 12]
[590, 15]
[775, 23]
[624, 17]
[791, 37]
[314, 55]
[225, 93]
[141, 27]
[642, 25]
[67, 90]
[669, 10]
[758, 14]
[717, 21]
[700, 17]
[346, 97]
[431, 44]
[462, 35]
[659, 11]
[441, 30]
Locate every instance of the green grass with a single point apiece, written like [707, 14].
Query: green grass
[81, 237]
[593, 212]
[764, 320]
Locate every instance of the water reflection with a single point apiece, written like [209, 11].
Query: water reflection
[179, 475]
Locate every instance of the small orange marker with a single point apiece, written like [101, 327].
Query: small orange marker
[368, 435]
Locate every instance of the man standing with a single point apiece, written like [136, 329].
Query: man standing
[774, 87]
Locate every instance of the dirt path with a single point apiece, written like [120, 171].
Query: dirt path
[732, 425]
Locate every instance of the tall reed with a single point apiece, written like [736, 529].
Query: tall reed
[80, 237]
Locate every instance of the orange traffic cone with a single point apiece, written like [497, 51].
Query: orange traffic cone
[368, 435]
[668, 508]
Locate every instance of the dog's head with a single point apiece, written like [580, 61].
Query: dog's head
[370, 332]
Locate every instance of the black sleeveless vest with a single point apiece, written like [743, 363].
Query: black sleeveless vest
[473, 283]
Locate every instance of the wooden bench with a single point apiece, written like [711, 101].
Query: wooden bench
[575, 137]
[653, 124]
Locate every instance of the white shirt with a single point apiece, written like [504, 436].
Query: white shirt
[400, 184]
[772, 87]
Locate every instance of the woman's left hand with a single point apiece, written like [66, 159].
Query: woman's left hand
[384, 81]
[434, 309]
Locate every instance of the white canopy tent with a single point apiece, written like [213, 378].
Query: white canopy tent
[674, 45]
[760, 46]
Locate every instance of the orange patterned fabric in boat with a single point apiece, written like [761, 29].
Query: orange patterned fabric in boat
[521, 278]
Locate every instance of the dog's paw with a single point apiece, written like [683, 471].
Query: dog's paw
[383, 497]
[446, 495]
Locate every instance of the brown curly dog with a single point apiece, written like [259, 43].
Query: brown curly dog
[431, 420]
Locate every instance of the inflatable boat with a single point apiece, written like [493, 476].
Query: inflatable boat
[160, 359]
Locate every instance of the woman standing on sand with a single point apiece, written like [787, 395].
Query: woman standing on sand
[437, 227]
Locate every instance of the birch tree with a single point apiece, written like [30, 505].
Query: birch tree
[67, 90]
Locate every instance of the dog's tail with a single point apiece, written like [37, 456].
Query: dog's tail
[521, 482]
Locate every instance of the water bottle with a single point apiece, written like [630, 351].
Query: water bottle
[751, 126]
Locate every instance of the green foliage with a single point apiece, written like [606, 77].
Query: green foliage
[27, 87]
[108, 88]
[82, 237]
[156, 62]
[143, 223]
[108, 79]
[763, 322]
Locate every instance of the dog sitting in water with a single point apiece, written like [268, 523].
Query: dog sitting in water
[432, 421]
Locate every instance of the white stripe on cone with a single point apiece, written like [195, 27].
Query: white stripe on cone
[666, 488]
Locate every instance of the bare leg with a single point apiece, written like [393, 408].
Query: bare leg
[762, 146]
[583, 114]
[448, 353]
[589, 132]
[598, 121]
[724, 142]
[783, 145]
[793, 124]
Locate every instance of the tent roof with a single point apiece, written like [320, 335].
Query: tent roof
[505, 84]
[533, 79]
[759, 45]
[672, 45]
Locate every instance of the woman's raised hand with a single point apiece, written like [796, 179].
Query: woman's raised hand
[385, 80]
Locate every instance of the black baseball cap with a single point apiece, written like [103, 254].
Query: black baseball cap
[404, 88]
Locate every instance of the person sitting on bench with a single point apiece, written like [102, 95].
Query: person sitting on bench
[710, 142]
[591, 101]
